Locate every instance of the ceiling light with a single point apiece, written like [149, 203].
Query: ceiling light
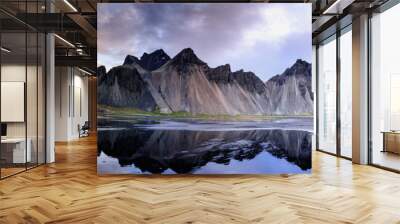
[331, 7]
[86, 72]
[70, 5]
[5, 50]
[337, 7]
[65, 41]
[79, 51]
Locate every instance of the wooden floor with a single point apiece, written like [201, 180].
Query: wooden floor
[387, 159]
[70, 191]
[5, 172]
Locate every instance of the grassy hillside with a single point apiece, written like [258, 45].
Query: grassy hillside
[122, 112]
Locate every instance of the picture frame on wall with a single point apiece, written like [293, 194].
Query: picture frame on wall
[203, 88]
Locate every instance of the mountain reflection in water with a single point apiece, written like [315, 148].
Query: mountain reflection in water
[138, 149]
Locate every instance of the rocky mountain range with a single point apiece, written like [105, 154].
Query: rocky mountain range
[156, 82]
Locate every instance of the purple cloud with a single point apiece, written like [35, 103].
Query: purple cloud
[264, 38]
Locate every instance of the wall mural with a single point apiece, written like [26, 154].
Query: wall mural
[195, 88]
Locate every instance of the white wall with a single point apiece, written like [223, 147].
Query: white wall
[80, 110]
[71, 102]
[62, 82]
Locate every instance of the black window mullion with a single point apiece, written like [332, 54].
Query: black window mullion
[338, 76]
[37, 90]
[26, 87]
[369, 95]
[317, 96]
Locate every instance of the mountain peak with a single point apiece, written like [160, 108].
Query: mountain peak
[249, 81]
[154, 60]
[226, 67]
[220, 74]
[159, 52]
[150, 61]
[187, 56]
[187, 51]
[130, 59]
[300, 67]
[101, 69]
[301, 62]
[101, 72]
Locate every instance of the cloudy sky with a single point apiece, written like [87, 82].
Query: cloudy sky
[258, 37]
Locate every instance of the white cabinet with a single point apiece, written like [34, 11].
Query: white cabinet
[17, 146]
[12, 101]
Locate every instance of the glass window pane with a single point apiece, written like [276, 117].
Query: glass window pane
[13, 86]
[327, 96]
[385, 90]
[41, 98]
[346, 94]
[31, 97]
[23, 87]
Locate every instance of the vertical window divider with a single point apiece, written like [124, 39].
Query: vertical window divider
[45, 92]
[73, 91]
[338, 73]
[369, 98]
[46, 41]
[316, 116]
[26, 86]
[37, 90]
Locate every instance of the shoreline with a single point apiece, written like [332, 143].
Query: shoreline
[114, 112]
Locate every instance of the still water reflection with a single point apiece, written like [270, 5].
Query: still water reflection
[170, 146]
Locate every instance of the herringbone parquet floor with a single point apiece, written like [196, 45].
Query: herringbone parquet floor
[70, 191]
